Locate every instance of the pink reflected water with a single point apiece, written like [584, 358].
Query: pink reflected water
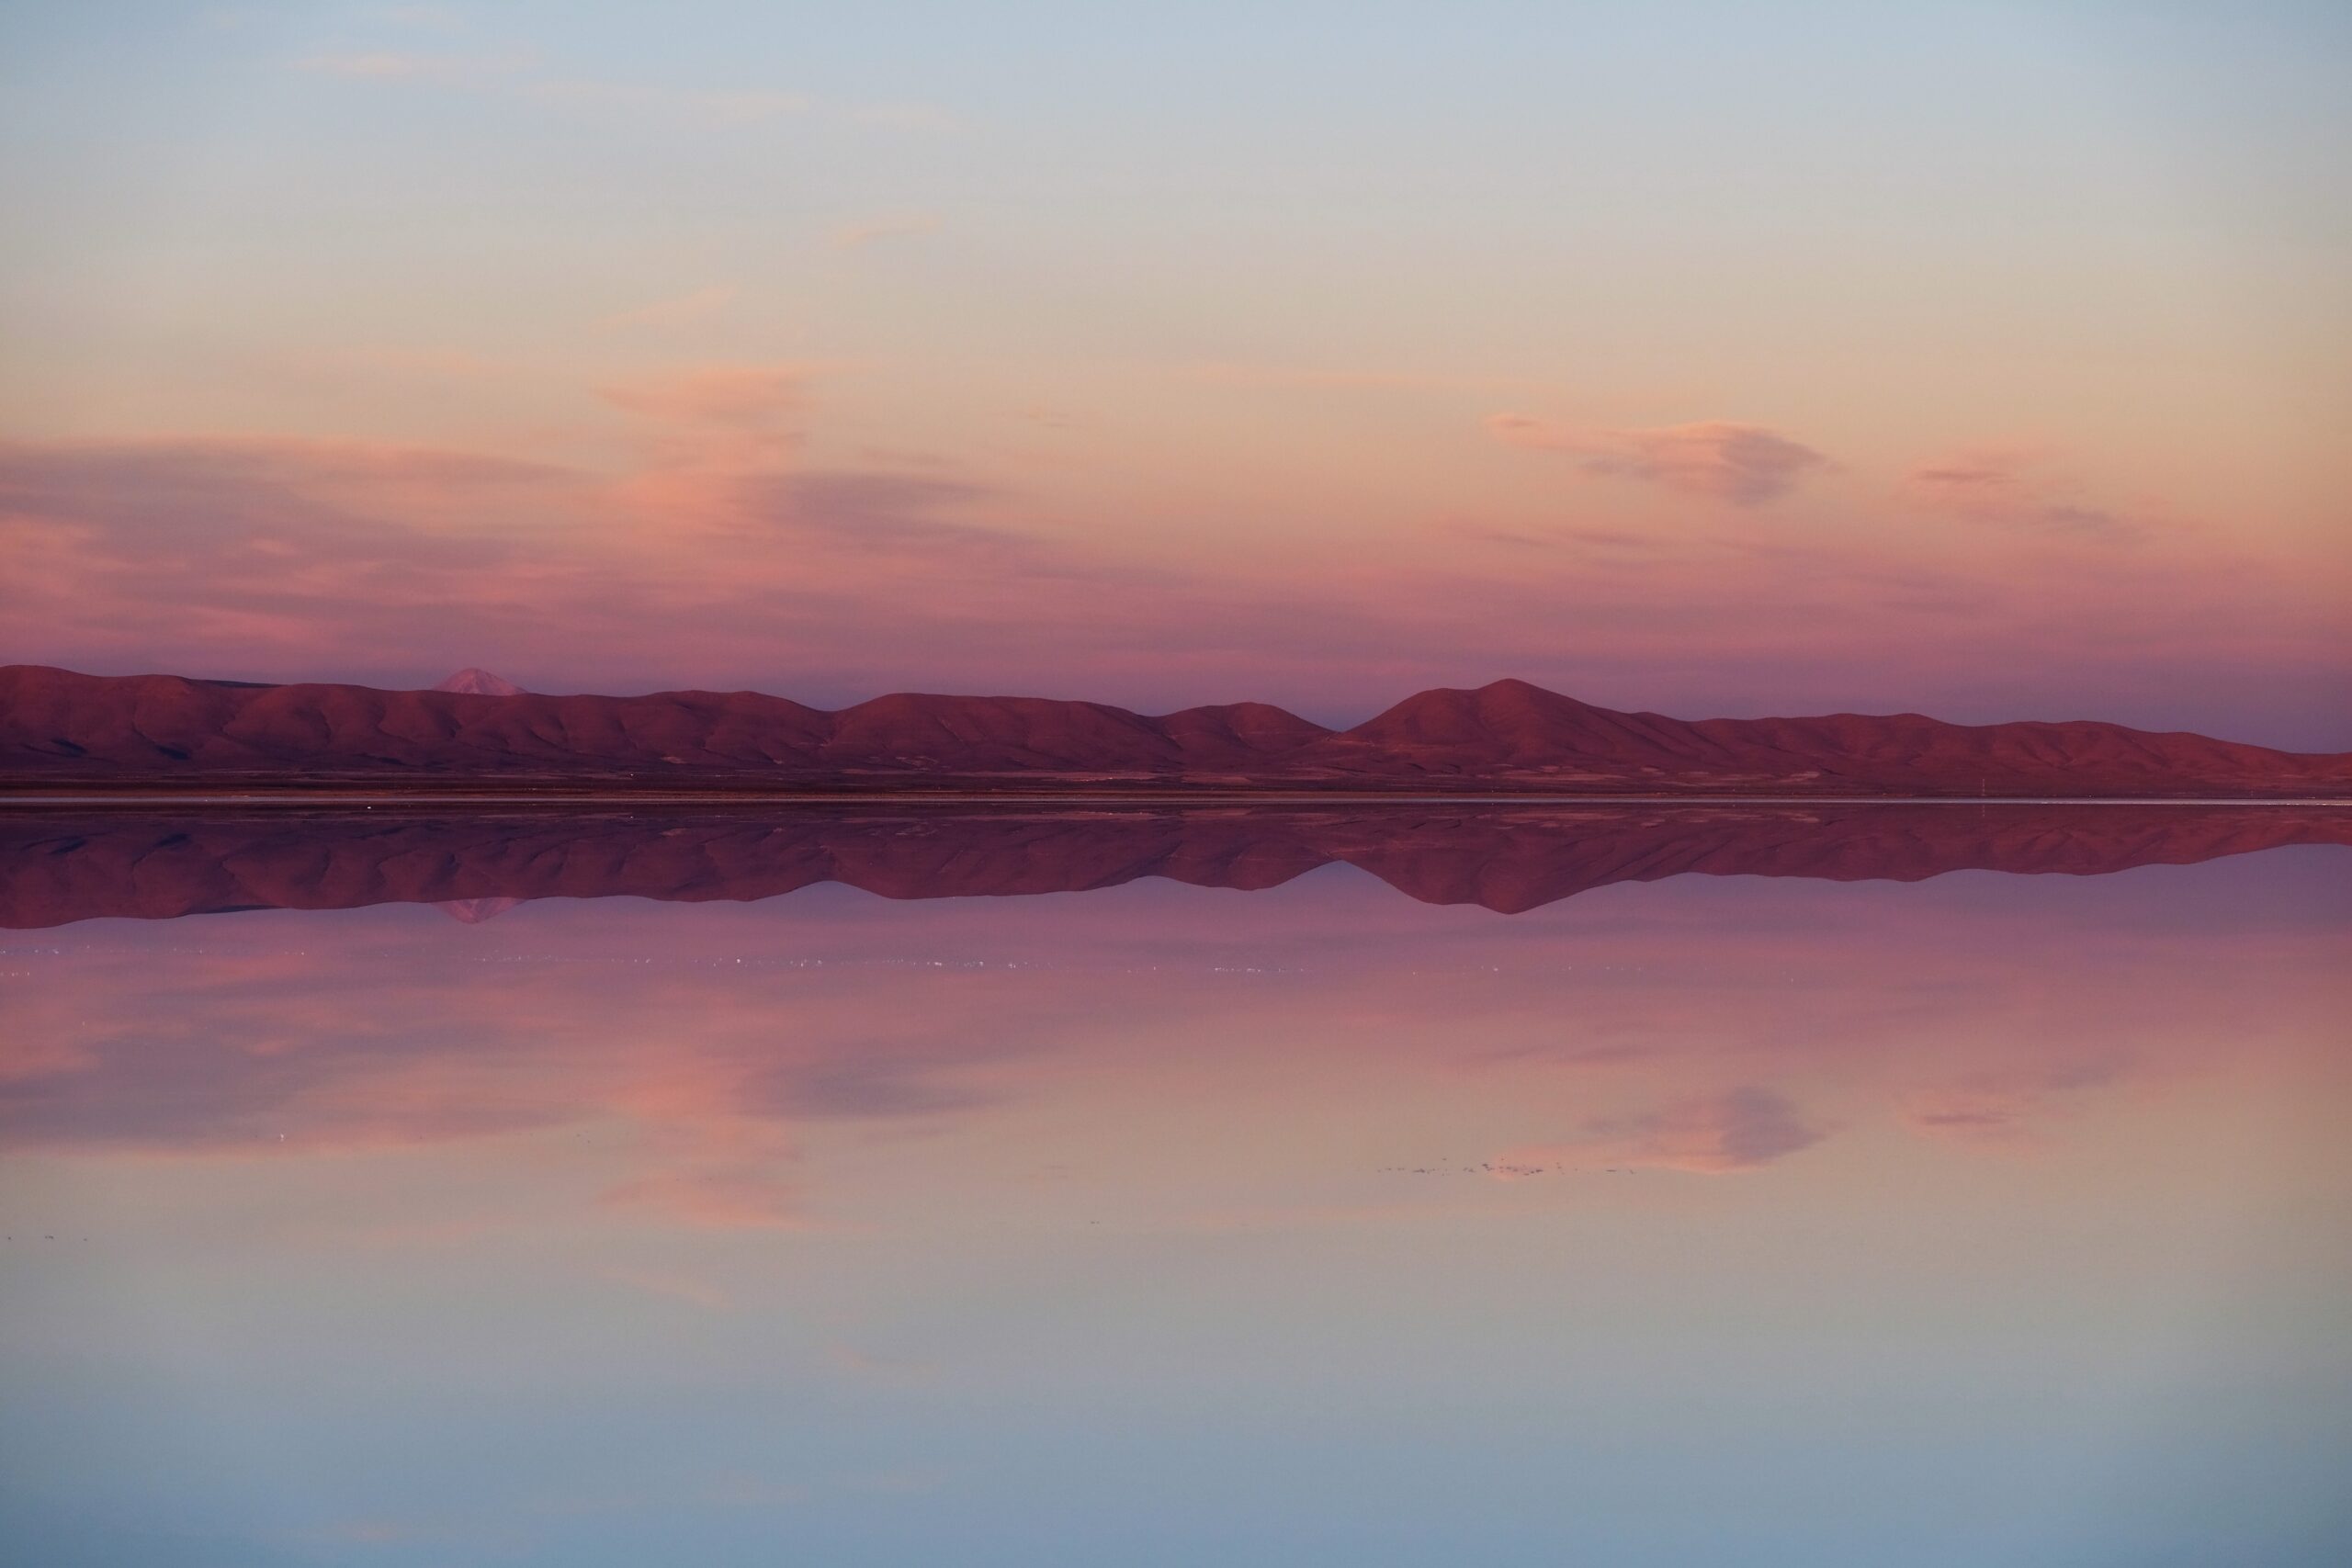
[1983, 1218]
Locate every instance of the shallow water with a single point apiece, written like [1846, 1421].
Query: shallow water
[1515, 1188]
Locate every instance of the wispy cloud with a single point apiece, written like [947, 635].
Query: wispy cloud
[517, 74]
[673, 1287]
[722, 105]
[1603, 545]
[712, 393]
[438, 363]
[901, 115]
[372, 1532]
[1488, 533]
[440, 18]
[881, 510]
[755, 1491]
[718, 422]
[1319, 377]
[2016, 489]
[400, 65]
[1709, 1134]
[735, 1196]
[866, 231]
[1747, 464]
[277, 546]
[888, 1370]
[677, 310]
[2009, 1109]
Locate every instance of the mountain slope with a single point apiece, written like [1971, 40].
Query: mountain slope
[59, 730]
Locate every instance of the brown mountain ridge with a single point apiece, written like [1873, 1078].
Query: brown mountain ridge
[64, 732]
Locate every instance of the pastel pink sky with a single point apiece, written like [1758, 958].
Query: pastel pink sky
[1977, 362]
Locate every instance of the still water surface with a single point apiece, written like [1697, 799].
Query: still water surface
[1977, 1218]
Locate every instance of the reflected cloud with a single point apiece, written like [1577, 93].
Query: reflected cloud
[876, 1083]
[673, 1287]
[745, 1197]
[1741, 1130]
[1738, 1130]
[889, 1370]
[2010, 1108]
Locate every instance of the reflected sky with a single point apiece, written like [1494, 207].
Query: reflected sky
[1985, 1218]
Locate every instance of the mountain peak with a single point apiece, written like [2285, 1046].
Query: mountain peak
[480, 683]
[1453, 715]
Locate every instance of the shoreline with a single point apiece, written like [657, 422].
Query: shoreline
[293, 800]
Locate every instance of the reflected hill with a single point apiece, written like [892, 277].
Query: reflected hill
[62, 866]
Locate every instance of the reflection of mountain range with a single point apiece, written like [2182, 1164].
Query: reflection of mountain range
[60, 731]
[62, 865]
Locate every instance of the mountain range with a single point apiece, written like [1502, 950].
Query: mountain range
[64, 732]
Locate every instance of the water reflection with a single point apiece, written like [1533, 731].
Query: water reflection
[1714, 1218]
[69, 864]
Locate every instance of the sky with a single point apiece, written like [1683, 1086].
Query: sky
[1984, 360]
[1174, 1224]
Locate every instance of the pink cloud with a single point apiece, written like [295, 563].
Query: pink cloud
[2009, 1108]
[678, 311]
[2014, 488]
[709, 422]
[1715, 1134]
[713, 393]
[1746, 464]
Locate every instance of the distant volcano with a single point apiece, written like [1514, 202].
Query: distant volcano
[475, 683]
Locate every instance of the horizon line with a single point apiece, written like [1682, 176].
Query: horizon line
[437, 690]
[294, 798]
